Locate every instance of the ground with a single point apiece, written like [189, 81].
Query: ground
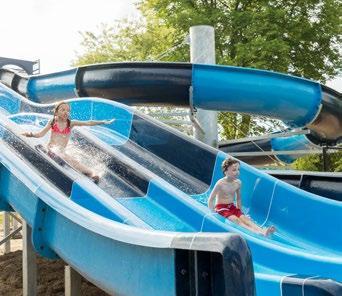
[50, 274]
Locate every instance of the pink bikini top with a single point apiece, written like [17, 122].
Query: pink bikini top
[56, 129]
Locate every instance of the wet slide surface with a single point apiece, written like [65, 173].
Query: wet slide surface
[132, 160]
[57, 233]
[163, 178]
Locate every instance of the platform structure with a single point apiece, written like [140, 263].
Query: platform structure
[26, 66]
[72, 279]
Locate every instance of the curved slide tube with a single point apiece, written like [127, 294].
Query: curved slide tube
[285, 147]
[257, 151]
[158, 176]
[297, 102]
[323, 184]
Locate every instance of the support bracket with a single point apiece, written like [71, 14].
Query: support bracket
[39, 230]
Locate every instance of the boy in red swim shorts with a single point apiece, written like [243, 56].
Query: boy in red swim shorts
[225, 191]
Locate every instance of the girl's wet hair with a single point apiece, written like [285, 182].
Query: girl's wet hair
[227, 163]
[55, 110]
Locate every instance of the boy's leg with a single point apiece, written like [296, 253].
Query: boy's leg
[264, 231]
[250, 223]
[270, 230]
[241, 222]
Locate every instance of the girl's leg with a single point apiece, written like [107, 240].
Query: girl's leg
[80, 167]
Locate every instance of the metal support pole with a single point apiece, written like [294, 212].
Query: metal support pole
[73, 281]
[202, 51]
[29, 263]
[12, 234]
[7, 230]
[324, 156]
[14, 223]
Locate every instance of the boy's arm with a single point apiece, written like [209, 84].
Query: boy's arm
[212, 197]
[39, 134]
[238, 197]
[90, 122]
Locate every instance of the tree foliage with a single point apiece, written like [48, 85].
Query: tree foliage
[315, 162]
[297, 37]
[234, 126]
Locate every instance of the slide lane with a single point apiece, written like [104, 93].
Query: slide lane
[299, 251]
[164, 207]
[75, 220]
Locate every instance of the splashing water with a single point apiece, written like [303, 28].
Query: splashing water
[162, 168]
[87, 157]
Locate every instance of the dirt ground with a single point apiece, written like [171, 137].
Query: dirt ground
[50, 275]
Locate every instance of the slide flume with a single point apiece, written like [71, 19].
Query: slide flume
[156, 178]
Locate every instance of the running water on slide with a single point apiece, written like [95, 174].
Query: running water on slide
[163, 178]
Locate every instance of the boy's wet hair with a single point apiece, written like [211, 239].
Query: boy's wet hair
[227, 163]
[55, 110]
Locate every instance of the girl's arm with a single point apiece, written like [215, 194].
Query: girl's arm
[39, 134]
[90, 122]
[212, 197]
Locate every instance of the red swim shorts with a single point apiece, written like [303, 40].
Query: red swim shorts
[227, 210]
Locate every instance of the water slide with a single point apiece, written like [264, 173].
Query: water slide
[283, 147]
[263, 150]
[219, 88]
[310, 136]
[320, 183]
[118, 234]
[157, 178]
[312, 109]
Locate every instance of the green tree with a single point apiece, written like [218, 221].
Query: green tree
[136, 40]
[315, 162]
[297, 37]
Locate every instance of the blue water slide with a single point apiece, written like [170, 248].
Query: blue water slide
[92, 228]
[154, 177]
[256, 92]
[296, 101]
[283, 147]
[325, 184]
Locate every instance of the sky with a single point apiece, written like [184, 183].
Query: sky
[49, 30]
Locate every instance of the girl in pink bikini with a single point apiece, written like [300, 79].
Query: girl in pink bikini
[224, 192]
[60, 126]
